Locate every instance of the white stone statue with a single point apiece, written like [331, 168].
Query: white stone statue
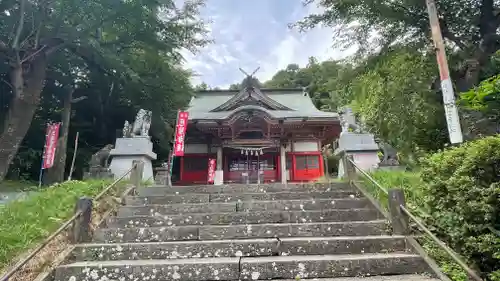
[146, 124]
[140, 127]
[126, 129]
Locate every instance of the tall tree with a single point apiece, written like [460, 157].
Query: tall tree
[469, 26]
[101, 33]
[323, 81]
[396, 103]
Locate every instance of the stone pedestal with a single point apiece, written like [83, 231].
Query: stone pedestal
[219, 177]
[362, 147]
[162, 176]
[98, 173]
[130, 149]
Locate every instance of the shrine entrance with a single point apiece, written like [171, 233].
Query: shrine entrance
[250, 166]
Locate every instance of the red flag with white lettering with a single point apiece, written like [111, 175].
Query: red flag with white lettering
[180, 133]
[49, 151]
[211, 170]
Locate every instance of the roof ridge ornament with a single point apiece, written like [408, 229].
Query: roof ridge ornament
[248, 82]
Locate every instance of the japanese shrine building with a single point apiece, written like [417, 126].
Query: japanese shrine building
[256, 135]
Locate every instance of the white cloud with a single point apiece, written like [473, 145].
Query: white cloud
[255, 34]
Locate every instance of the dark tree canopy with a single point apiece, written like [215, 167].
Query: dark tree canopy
[469, 26]
[114, 57]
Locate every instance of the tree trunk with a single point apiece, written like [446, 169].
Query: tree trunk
[56, 173]
[27, 85]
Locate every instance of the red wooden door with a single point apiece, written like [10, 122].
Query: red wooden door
[307, 167]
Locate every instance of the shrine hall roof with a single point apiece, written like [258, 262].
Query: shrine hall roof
[296, 103]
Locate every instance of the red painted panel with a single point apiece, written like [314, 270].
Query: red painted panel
[198, 173]
[306, 166]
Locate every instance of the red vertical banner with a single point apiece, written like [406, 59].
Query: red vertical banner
[180, 133]
[211, 170]
[49, 151]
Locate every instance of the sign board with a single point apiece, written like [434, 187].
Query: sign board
[451, 112]
[180, 133]
[211, 170]
[50, 145]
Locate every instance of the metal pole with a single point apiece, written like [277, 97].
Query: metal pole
[450, 108]
[40, 176]
[74, 156]
[172, 155]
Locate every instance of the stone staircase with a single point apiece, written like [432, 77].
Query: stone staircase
[244, 232]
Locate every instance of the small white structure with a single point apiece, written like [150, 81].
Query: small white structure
[134, 145]
[361, 146]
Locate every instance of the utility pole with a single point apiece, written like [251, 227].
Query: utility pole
[450, 108]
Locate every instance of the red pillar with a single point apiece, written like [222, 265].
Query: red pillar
[321, 165]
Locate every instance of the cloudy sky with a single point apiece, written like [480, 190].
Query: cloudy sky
[254, 33]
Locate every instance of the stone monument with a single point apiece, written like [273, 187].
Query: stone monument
[352, 141]
[135, 144]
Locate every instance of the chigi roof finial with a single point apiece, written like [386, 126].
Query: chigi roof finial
[248, 82]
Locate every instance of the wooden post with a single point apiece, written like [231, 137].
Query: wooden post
[399, 220]
[81, 226]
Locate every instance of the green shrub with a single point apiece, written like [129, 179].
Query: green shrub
[413, 187]
[25, 223]
[462, 196]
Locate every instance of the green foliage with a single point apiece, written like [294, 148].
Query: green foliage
[17, 186]
[323, 81]
[413, 186]
[446, 263]
[462, 195]
[410, 182]
[462, 22]
[120, 56]
[390, 92]
[395, 102]
[25, 223]
[484, 98]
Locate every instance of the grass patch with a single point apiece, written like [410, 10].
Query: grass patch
[409, 182]
[25, 223]
[412, 184]
[17, 186]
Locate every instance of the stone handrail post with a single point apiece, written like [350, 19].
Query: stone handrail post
[399, 220]
[136, 173]
[81, 232]
[350, 170]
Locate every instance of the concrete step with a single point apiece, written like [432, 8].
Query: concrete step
[229, 197]
[175, 250]
[245, 217]
[238, 248]
[221, 232]
[405, 277]
[253, 268]
[286, 205]
[171, 209]
[270, 196]
[324, 266]
[306, 204]
[167, 199]
[195, 269]
[242, 188]
[296, 246]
